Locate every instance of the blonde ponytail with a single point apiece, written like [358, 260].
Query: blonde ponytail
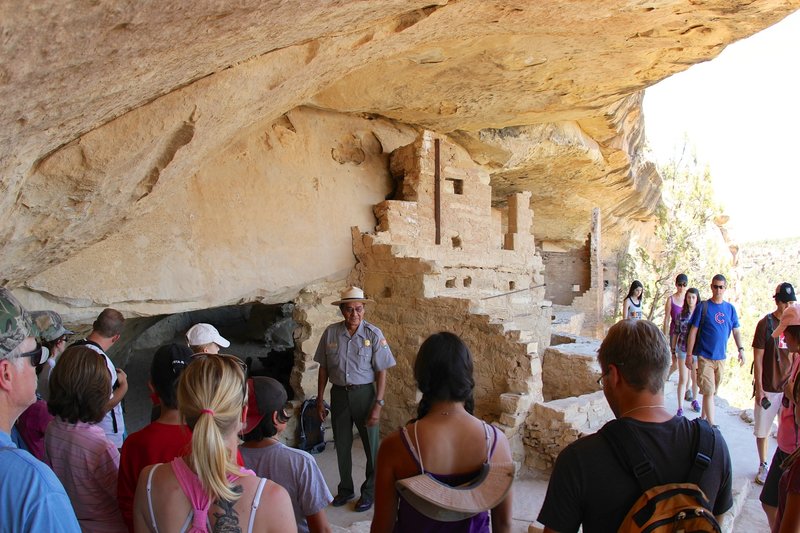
[211, 395]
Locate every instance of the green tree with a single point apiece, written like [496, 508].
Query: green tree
[684, 237]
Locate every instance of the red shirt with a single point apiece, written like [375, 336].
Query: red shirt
[156, 443]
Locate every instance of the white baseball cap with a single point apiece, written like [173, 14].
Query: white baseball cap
[200, 334]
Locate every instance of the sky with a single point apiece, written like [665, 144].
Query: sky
[741, 111]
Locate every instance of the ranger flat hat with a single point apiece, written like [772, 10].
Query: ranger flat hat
[352, 294]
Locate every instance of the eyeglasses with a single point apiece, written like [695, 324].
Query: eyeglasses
[607, 372]
[718, 287]
[38, 355]
[351, 310]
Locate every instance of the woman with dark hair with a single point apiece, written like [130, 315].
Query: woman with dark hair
[678, 348]
[165, 438]
[447, 439]
[632, 304]
[76, 447]
[206, 490]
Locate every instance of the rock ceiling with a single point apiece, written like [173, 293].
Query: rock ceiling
[108, 106]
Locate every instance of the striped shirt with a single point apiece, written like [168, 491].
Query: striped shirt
[87, 465]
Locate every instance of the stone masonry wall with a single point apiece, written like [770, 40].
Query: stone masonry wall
[570, 370]
[482, 281]
[567, 275]
[554, 425]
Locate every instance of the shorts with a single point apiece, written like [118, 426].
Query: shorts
[769, 494]
[680, 354]
[763, 418]
[709, 374]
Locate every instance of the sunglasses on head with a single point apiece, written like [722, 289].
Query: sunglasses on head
[284, 413]
[38, 355]
[226, 357]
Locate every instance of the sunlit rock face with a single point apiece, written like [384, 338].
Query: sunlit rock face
[177, 155]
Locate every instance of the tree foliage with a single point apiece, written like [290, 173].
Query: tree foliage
[683, 239]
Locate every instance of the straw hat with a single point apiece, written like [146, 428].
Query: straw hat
[352, 294]
[444, 503]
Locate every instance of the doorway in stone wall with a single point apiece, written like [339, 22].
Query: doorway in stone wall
[262, 335]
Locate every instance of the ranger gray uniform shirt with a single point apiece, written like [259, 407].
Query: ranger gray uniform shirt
[353, 360]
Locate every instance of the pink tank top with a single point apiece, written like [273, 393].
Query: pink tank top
[197, 521]
[788, 432]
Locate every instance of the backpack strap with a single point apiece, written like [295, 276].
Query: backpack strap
[630, 453]
[306, 405]
[702, 451]
[703, 312]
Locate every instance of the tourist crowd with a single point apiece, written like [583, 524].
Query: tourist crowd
[212, 458]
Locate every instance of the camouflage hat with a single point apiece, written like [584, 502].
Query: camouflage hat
[15, 323]
[49, 325]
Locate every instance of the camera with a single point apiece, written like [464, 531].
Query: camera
[765, 403]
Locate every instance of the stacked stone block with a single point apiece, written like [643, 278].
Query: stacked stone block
[552, 426]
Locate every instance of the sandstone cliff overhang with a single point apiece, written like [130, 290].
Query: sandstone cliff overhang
[109, 108]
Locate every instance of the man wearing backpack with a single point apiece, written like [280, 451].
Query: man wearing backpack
[771, 365]
[594, 484]
[711, 325]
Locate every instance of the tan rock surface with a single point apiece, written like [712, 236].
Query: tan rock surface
[114, 113]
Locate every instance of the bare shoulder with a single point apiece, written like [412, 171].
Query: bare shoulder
[275, 511]
[392, 441]
[502, 450]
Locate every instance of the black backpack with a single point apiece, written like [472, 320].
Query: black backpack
[664, 507]
[312, 429]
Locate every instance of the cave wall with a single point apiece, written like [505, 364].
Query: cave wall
[264, 218]
[108, 106]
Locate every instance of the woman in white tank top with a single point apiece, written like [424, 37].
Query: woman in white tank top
[206, 490]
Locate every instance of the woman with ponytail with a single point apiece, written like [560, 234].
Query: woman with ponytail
[447, 439]
[206, 490]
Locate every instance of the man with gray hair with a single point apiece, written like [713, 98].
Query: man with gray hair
[591, 485]
[31, 497]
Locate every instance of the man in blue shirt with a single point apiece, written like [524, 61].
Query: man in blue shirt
[31, 497]
[711, 325]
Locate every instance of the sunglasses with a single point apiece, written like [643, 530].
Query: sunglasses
[230, 358]
[285, 413]
[718, 287]
[680, 284]
[38, 355]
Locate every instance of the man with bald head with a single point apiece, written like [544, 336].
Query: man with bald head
[31, 496]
